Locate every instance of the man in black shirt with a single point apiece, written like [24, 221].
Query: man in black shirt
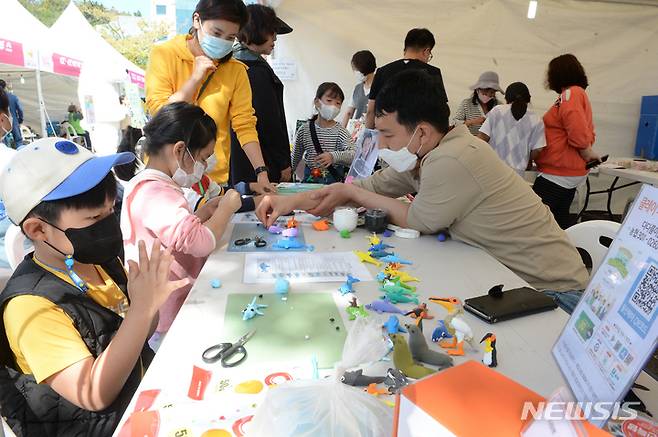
[418, 47]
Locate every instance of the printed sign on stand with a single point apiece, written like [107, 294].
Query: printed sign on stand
[613, 331]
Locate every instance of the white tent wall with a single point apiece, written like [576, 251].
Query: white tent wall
[58, 92]
[617, 44]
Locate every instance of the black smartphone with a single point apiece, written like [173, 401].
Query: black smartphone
[596, 162]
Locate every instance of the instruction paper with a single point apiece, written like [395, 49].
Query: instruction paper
[613, 331]
[263, 268]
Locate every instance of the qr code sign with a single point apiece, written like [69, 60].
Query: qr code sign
[645, 297]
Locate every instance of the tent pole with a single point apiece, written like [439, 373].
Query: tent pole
[42, 116]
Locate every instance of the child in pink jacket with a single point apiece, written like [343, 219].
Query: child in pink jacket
[180, 142]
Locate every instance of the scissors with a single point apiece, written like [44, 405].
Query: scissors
[225, 352]
[258, 242]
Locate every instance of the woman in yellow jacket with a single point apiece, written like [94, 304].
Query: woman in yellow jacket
[199, 68]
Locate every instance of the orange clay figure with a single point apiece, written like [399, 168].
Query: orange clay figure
[316, 173]
[420, 312]
[292, 223]
[393, 266]
[321, 225]
[373, 390]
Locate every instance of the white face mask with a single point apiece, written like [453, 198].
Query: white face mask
[328, 112]
[360, 77]
[186, 180]
[401, 160]
[211, 162]
[483, 97]
[11, 125]
[213, 46]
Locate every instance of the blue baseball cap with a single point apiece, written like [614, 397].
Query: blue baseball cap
[52, 169]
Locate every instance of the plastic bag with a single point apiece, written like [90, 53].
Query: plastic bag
[319, 408]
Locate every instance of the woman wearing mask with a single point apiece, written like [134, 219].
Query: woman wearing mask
[199, 68]
[364, 66]
[473, 110]
[324, 144]
[257, 39]
[569, 138]
[180, 141]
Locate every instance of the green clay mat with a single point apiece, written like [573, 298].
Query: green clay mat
[280, 333]
[288, 188]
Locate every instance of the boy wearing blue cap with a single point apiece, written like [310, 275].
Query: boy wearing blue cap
[73, 339]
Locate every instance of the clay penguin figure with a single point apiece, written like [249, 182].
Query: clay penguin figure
[358, 379]
[490, 357]
[403, 360]
[395, 380]
[420, 351]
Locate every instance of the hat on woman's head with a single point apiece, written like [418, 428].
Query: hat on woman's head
[488, 79]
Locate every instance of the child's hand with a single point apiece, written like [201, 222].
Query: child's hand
[230, 201]
[207, 209]
[325, 159]
[148, 283]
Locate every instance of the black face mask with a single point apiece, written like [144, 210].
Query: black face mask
[95, 244]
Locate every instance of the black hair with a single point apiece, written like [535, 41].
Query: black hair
[364, 61]
[518, 95]
[129, 140]
[261, 25]
[414, 96]
[234, 11]
[419, 39]
[565, 71]
[3, 84]
[50, 210]
[328, 87]
[72, 108]
[4, 101]
[489, 105]
[179, 121]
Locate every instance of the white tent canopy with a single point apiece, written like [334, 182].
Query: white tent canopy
[617, 44]
[27, 52]
[74, 31]
[103, 69]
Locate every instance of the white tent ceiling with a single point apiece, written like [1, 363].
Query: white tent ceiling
[617, 44]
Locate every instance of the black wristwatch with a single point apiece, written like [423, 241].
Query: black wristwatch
[259, 170]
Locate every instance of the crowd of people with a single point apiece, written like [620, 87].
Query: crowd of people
[76, 327]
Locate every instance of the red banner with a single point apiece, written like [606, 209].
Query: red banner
[65, 65]
[136, 78]
[11, 52]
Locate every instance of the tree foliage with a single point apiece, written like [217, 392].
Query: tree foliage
[136, 48]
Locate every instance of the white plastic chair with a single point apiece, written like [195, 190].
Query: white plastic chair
[593, 237]
[73, 136]
[15, 246]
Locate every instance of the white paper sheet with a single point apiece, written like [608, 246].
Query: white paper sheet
[303, 218]
[262, 268]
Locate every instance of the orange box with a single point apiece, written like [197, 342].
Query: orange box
[466, 400]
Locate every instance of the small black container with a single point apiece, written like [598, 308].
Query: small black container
[376, 220]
